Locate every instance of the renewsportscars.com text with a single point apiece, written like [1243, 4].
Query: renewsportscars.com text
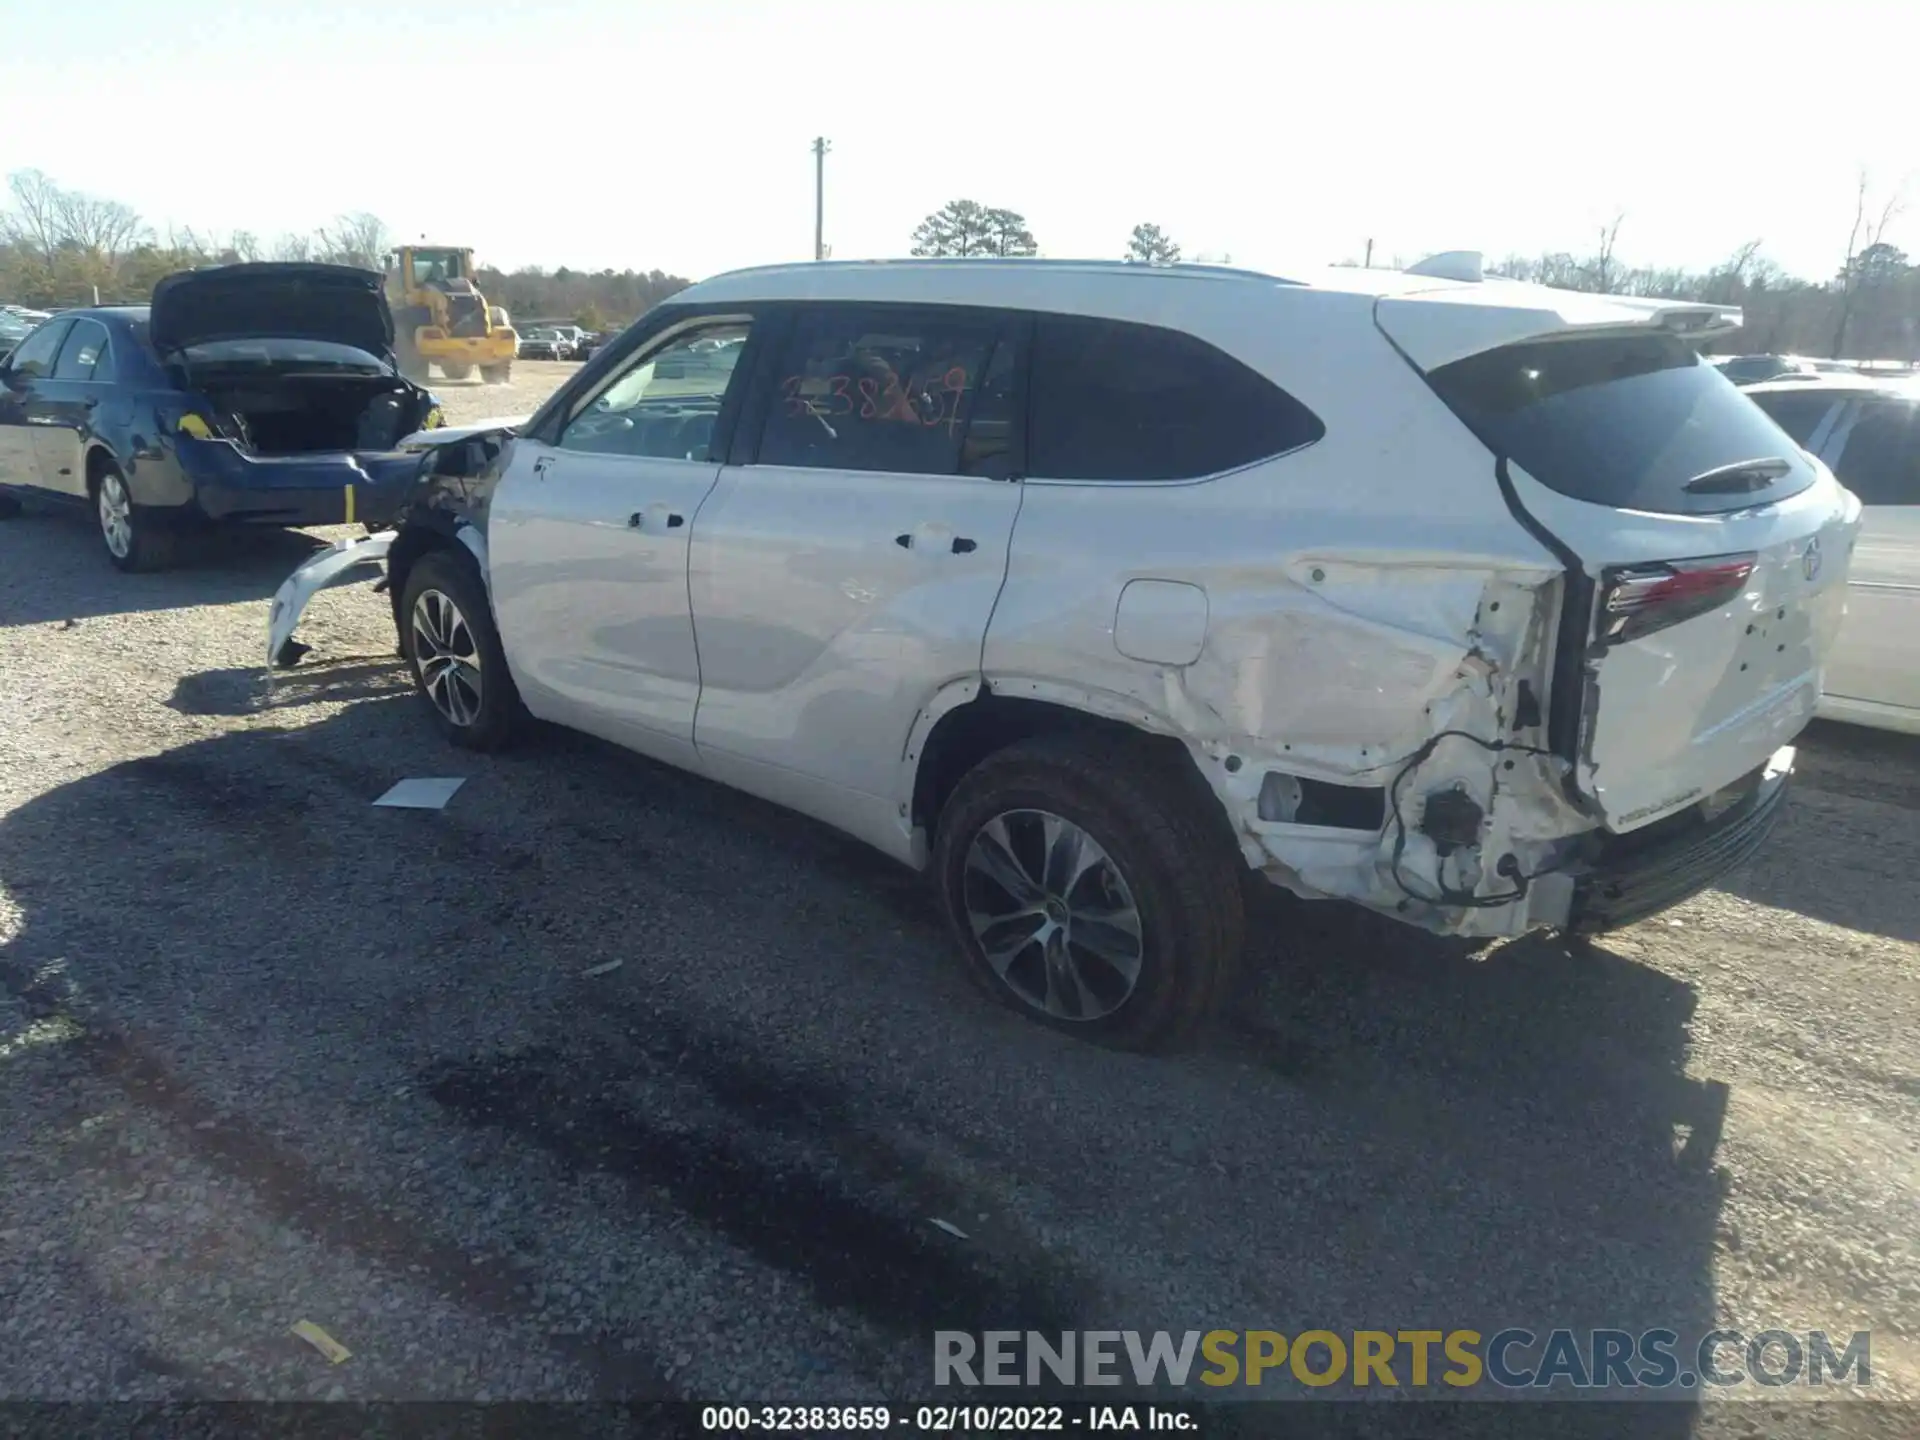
[1451, 1361]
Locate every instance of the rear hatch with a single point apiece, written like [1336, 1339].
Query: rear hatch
[1707, 553]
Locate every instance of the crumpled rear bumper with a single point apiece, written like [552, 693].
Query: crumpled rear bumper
[1646, 871]
[340, 488]
[339, 563]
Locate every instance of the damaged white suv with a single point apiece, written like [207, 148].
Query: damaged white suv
[1091, 587]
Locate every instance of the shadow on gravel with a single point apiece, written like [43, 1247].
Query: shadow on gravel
[255, 690]
[1870, 851]
[599, 1002]
[70, 577]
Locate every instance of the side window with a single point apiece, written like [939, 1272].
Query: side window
[1881, 460]
[1799, 415]
[873, 389]
[665, 405]
[1118, 401]
[86, 346]
[35, 355]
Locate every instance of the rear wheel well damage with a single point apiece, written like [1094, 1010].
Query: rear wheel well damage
[979, 728]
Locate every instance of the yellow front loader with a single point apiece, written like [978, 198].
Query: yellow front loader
[441, 318]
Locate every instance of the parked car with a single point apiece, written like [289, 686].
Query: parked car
[589, 342]
[1757, 369]
[1868, 431]
[13, 330]
[1088, 587]
[543, 345]
[262, 394]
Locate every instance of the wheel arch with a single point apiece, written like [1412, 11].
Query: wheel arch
[971, 719]
[426, 535]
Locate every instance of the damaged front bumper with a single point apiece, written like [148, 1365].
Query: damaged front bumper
[336, 565]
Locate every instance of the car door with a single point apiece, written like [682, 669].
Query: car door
[27, 368]
[587, 543]
[847, 563]
[1875, 451]
[61, 412]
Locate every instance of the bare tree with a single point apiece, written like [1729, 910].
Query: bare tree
[105, 228]
[1863, 237]
[293, 247]
[358, 239]
[245, 246]
[1601, 270]
[33, 219]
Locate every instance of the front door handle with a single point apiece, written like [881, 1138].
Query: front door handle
[958, 545]
[963, 546]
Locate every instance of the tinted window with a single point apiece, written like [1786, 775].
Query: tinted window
[36, 353]
[86, 346]
[665, 404]
[1622, 420]
[1798, 415]
[873, 389]
[1117, 401]
[1881, 460]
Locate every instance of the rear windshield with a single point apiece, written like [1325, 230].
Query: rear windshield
[1620, 420]
[319, 354]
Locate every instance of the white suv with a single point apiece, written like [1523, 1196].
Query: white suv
[1091, 588]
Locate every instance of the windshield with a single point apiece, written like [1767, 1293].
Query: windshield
[1621, 420]
[430, 266]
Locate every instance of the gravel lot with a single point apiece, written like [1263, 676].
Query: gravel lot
[270, 1054]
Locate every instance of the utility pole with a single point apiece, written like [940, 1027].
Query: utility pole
[820, 148]
[1369, 259]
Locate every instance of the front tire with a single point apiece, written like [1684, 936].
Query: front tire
[456, 370]
[454, 652]
[1089, 888]
[497, 374]
[135, 542]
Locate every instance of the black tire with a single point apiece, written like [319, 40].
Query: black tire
[456, 371]
[496, 374]
[134, 538]
[1175, 859]
[498, 714]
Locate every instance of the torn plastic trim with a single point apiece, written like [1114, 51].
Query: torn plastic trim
[336, 565]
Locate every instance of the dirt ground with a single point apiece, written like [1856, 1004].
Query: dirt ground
[269, 1054]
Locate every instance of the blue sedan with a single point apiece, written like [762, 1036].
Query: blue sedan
[244, 394]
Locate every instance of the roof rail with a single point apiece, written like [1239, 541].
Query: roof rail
[1465, 265]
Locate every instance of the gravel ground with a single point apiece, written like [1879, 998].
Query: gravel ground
[269, 1054]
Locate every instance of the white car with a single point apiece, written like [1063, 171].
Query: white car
[1868, 431]
[1090, 588]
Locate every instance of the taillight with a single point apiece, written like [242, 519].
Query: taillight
[1637, 600]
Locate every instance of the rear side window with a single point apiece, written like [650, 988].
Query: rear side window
[1881, 459]
[1622, 420]
[1117, 401]
[1799, 415]
[872, 389]
[86, 347]
[35, 356]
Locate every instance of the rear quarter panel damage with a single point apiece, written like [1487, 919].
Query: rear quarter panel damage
[1343, 642]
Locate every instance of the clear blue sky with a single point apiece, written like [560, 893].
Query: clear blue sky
[675, 135]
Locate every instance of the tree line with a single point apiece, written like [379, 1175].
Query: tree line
[62, 247]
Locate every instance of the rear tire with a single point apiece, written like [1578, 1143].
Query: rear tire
[497, 374]
[453, 650]
[456, 371]
[135, 541]
[1158, 892]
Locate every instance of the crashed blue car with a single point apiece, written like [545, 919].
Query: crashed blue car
[263, 394]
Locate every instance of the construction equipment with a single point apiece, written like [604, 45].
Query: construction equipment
[441, 318]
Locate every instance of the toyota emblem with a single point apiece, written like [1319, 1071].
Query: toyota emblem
[1810, 562]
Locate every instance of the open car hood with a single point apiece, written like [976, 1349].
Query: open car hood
[282, 301]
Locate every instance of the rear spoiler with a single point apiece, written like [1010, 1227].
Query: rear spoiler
[1471, 312]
